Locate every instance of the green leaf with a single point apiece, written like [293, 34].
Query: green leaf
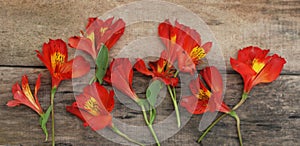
[43, 121]
[102, 63]
[153, 91]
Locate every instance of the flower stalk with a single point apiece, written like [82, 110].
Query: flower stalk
[243, 99]
[53, 91]
[149, 124]
[173, 97]
[211, 126]
[233, 114]
[94, 79]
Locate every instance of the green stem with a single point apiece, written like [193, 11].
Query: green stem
[94, 79]
[211, 126]
[53, 91]
[149, 125]
[233, 114]
[173, 97]
[243, 99]
[116, 130]
[154, 135]
[175, 75]
[145, 115]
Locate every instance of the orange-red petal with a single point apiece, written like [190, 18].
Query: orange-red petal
[256, 67]
[93, 106]
[247, 54]
[183, 40]
[164, 32]
[185, 63]
[271, 70]
[204, 100]
[212, 78]
[55, 58]
[24, 96]
[75, 111]
[245, 71]
[83, 44]
[107, 77]
[36, 89]
[122, 75]
[140, 66]
[207, 47]
[97, 90]
[115, 32]
[75, 68]
[193, 105]
[216, 103]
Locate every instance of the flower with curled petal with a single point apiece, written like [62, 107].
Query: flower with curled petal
[183, 44]
[204, 100]
[256, 67]
[98, 33]
[55, 58]
[121, 77]
[160, 69]
[23, 95]
[93, 106]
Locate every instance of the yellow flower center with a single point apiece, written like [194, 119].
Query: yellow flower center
[197, 53]
[103, 30]
[91, 37]
[28, 94]
[92, 106]
[257, 66]
[173, 39]
[161, 68]
[203, 94]
[57, 58]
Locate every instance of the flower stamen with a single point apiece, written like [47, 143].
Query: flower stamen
[103, 30]
[92, 106]
[28, 94]
[91, 37]
[57, 58]
[203, 94]
[197, 53]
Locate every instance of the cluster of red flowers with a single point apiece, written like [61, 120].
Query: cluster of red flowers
[183, 52]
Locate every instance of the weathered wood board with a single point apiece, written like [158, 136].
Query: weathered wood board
[269, 117]
[236, 24]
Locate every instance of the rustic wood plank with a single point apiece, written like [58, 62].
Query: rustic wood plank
[269, 117]
[269, 24]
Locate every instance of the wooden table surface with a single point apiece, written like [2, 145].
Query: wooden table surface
[271, 115]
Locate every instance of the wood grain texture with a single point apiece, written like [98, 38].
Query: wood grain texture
[236, 24]
[269, 117]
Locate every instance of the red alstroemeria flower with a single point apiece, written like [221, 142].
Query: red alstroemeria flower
[98, 32]
[180, 37]
[55, 58]
[161, 69]
[24, 96]
[93, 106]
[204, 100]
[256, 67]
[121, 77]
